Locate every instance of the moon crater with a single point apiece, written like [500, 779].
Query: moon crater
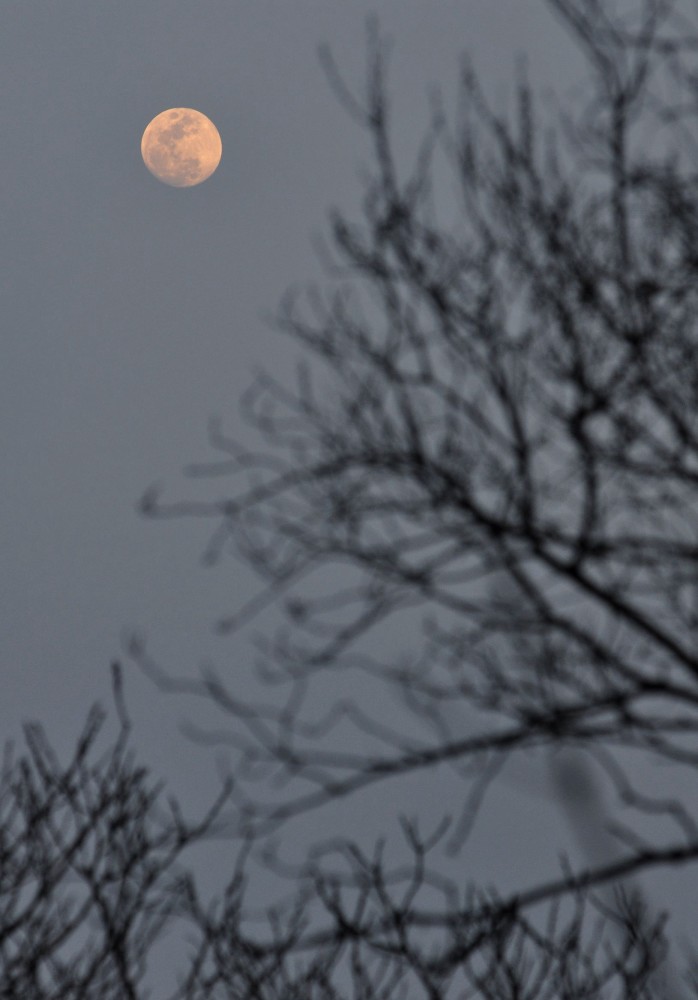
[181, 147]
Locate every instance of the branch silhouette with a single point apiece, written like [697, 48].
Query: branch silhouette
[491, 449]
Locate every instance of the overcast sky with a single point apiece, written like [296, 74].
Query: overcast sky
[133, 311]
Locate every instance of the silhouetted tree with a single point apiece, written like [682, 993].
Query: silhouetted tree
[91, 879]
[90, 866]
[498, 433]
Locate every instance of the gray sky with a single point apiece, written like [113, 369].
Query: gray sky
[132, 311]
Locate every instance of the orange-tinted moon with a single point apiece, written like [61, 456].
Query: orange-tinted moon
[181, 147]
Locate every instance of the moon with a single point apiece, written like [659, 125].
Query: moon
[181, 147]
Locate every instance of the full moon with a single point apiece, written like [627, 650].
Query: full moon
[181, 147]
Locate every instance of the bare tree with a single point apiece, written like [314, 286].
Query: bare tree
[90, 867]
[91, 879]
[493, 453]
[512, 397]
